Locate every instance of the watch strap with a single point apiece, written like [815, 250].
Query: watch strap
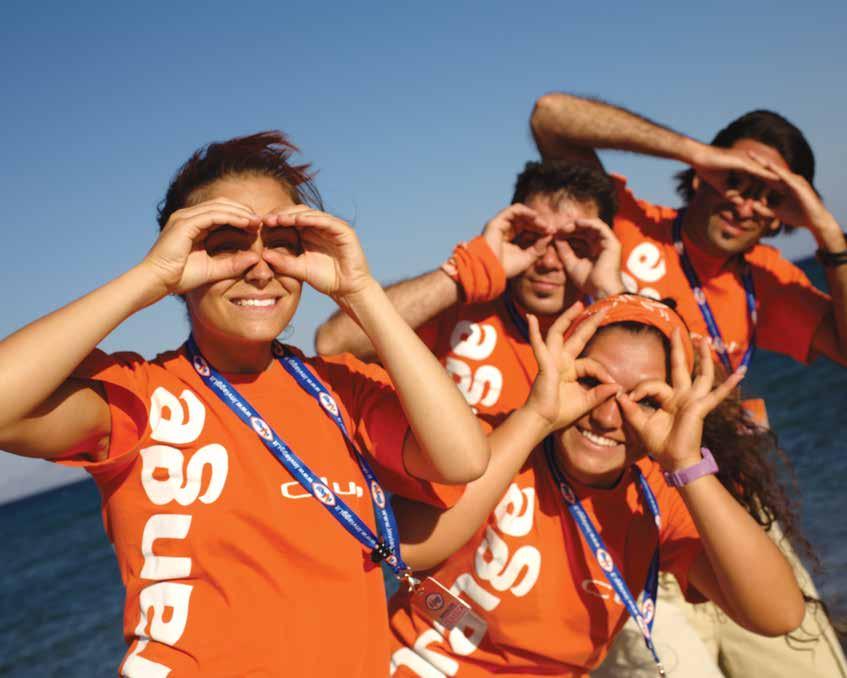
[704, 467]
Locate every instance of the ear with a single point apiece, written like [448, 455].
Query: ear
[695, 183]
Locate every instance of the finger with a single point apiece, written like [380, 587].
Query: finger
[542, 355]
[599, 395]
[588, 367]
[583, 333]
[223, 268]
[198, 226]
[566, 254]
[272, 218]
[318, 221]
[762, 210]
[680, 376]
[285, 263]
[556, 333]
[714, 398]
[632, 413]
[216, 205]
[659, 390]
[705, 369]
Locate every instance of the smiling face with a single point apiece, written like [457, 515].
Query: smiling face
[542, 289]
[599, 446]
[722, 228]
[256, 306]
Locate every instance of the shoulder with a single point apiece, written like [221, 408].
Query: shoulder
[344, 369]
[768, 259]
[637, 217]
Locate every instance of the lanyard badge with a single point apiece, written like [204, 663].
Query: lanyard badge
[646, 612]
[703, 304]
[429, 596]
[388, 548]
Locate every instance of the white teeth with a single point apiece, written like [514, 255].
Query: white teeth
[598, 440]
[255, 302]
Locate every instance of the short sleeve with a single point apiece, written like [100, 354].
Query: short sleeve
[124, 377]
[379, 427]
[679, 541]
[790, 308]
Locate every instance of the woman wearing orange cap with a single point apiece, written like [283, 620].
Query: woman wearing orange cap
[554, 551]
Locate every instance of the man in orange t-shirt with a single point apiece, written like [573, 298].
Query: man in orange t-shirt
[194, 501]
[750, 182]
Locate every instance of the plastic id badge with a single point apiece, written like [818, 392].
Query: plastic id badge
[439, 605]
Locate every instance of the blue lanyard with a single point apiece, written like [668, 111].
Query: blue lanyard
[645, 614]
[389, 549]
[706, 310]
[518, 320]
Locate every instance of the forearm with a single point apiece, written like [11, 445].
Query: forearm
[417, 300]
[430, 535]
[36, 360]
[562, 121]
[440, 419]
[831, 239]
[753, 576]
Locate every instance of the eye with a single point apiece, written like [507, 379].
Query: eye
[650, 404]
[588, 382]
[284, 239]
[226, 240]
[774, 199]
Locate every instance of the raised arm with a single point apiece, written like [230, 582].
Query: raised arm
[44, 411]
[420, 299]
[431, 535]
[570, 128]
[792, 200]
[447, 444]
[740, 568]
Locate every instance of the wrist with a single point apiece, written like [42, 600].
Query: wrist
[687, 469]
[147, 283]
[829, 236]
[534, 422]
[359, 299]
[608, 289]
[694, 153]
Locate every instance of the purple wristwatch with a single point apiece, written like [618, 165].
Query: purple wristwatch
[705, 467]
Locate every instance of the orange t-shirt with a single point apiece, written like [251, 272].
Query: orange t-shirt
[230, 567]
[558, 618]
[788, 306]
[488, 358]
[546, 604]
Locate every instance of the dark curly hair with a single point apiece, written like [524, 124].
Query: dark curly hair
[262, 154]
[583, 184]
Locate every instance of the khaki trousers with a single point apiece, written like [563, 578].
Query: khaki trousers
[700, 641]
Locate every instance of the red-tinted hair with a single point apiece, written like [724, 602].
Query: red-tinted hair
[263, 154]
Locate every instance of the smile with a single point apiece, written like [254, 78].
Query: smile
[602, 441]
[259, 303]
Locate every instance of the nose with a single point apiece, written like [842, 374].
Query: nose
[744, 210]
[549, 261]
[260, 273]
[607, 415]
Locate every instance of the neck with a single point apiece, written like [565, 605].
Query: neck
[234, 357]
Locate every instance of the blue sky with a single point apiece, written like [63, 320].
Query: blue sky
[415, 117]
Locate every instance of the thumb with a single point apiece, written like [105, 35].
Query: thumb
[286, 264]
[631, 412]
[232, 266]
